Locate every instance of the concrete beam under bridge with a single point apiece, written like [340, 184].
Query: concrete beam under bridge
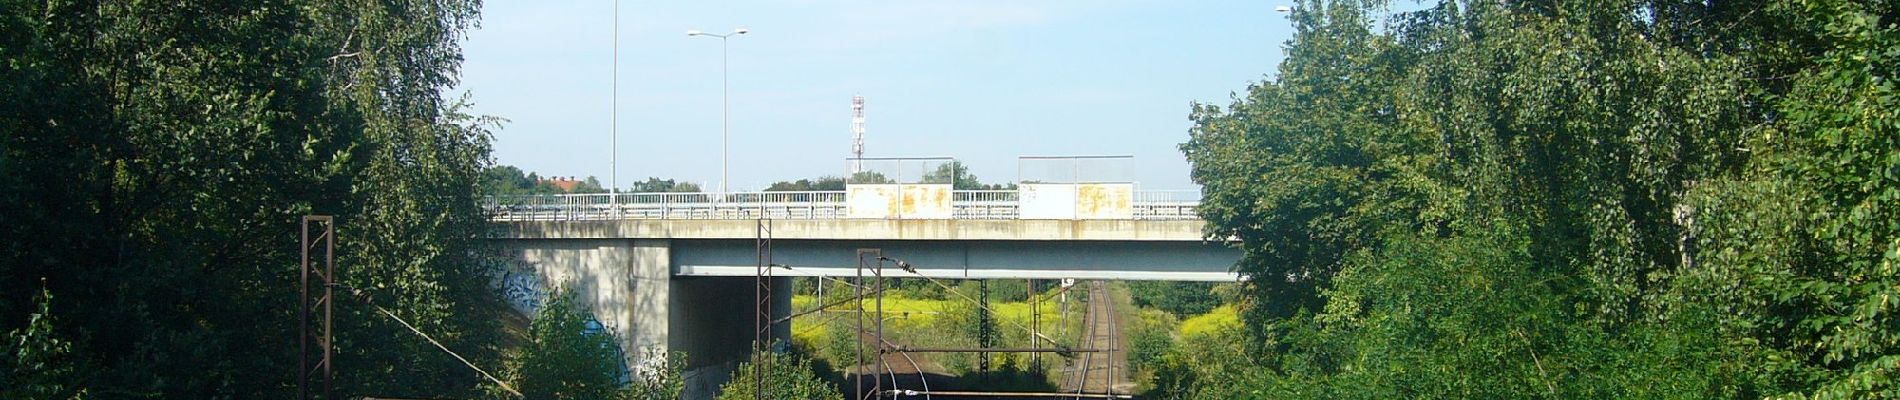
[863, 229]
[969, 259]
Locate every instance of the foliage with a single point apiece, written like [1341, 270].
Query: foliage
[1178, 298]
[919, 289]
[1220, 319]
[35, 363]
[155, 158]
[1191, 368]
[842, 345]
[1009, 290]
[950, 322]
[791, 377]
[960, 178]
[506, 180]
[1012, 374]
[869, 177]
[1001, 290]
[1801, 248]
[564, 361]
[589, 185]
[659, 377]
[657, 185]
[822, 183]
[1562, 199]
[1150, 336]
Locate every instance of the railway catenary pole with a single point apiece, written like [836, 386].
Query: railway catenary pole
[327, 239]
[762, 304]
[858, 349]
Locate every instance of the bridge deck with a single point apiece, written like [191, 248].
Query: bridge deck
[965, 204]
[862, 229]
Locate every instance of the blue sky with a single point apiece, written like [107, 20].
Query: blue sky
[982, 81]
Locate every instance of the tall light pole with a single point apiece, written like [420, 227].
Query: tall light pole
[725, 137]
[613, 162]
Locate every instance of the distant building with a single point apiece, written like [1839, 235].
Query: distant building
[566, 184]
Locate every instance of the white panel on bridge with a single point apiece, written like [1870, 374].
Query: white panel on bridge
[1077, 201]
[926, 201]
[1046, 201]
[872, 201]
[898, 201]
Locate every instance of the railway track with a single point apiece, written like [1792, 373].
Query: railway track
[1105, 372]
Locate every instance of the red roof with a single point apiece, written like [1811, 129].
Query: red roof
[566, 185]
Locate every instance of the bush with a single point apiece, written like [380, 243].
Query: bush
[1194, 367]
[1151, 337]
[566, 359]
[1178, 298]
[1227, 316]
[35, 363]
[659, 379]
[841, 343]
[789, 377]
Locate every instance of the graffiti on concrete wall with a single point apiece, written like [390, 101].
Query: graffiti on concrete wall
[520, 285]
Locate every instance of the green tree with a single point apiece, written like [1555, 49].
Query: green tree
[1557, 199]
[657, 185]
[659, 378]
[869, 177]
[1798, 253]
[1178, 298]
[959, 177]
[506, 180]
[591, 185]
[823, 183]
[155, 158]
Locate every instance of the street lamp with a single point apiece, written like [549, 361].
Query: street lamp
[725, 138]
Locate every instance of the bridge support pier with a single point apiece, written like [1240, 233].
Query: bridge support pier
[711, 320]
[629, 287]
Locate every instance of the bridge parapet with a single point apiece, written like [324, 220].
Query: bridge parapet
[816, 205]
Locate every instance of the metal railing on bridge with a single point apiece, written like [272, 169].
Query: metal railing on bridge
[965, 204]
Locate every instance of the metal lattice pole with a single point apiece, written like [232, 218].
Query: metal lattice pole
[857, 287]
[328, 279]
[877, 385]
[984, 337]
[762, 302]
[1035, 325]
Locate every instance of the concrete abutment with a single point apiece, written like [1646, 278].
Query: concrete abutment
[629, 287]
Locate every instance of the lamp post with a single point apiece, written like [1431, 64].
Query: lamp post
[725, 137]
[613, 129]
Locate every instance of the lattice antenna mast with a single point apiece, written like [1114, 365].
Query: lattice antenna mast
[857, 134]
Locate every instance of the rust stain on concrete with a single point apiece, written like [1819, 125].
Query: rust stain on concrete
[1096, 201]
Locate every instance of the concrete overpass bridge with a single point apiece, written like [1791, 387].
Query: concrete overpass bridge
[675, 271]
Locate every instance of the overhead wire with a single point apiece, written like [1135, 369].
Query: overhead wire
[925, 381]
[412, 328]
[992, 310]
[947, 288]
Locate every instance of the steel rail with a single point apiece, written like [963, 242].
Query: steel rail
[993, 350]
[1061, 395]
